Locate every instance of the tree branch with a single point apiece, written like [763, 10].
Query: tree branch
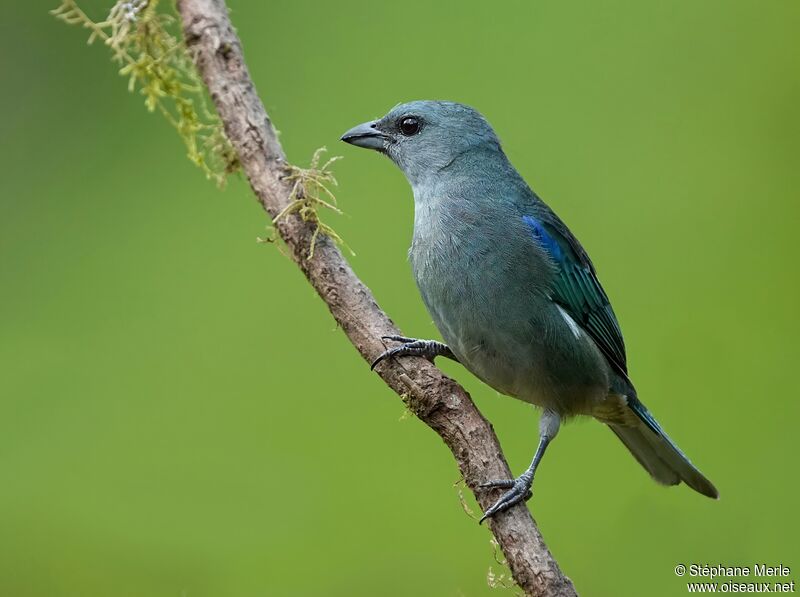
[437, 400]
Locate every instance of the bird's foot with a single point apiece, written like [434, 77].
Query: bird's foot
[428, 349]
[519, 490]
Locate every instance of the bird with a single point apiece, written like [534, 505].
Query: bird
[512, 291]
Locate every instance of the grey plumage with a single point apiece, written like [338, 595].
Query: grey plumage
[513, 293]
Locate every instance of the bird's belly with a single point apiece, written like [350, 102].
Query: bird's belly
[517, 341]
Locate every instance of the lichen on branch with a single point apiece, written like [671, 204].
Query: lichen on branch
[310, 190]
[154, 59]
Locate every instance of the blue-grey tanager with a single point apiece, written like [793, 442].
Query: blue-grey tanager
[512, 291]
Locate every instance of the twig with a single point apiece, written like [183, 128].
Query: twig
[437, 400]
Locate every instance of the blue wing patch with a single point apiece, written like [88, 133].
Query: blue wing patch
[577, 289]
[547, 242]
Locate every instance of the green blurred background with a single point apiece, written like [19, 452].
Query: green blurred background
[180, 416]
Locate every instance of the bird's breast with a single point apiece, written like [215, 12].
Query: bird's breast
[484, 304]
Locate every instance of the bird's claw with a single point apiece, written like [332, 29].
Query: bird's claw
[519, 490]
[428, 349]
[403, 339]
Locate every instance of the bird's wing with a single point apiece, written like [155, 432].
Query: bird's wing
[576, 288]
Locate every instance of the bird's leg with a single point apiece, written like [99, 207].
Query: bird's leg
[519, 489]
[429, 349]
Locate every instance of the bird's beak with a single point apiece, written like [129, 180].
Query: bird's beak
[366, 135]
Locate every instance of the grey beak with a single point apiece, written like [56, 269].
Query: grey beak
[366, 135]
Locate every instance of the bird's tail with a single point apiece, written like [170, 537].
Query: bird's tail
[656, 452]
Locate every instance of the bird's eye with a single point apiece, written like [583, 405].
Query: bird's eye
[409, 126]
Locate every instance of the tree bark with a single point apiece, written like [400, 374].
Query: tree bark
[437, 400]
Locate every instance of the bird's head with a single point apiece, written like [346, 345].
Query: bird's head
[424, 137]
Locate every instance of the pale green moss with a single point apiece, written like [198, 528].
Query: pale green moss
[503, 580]
[157, 63]
[310, 191]
[459, 486]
